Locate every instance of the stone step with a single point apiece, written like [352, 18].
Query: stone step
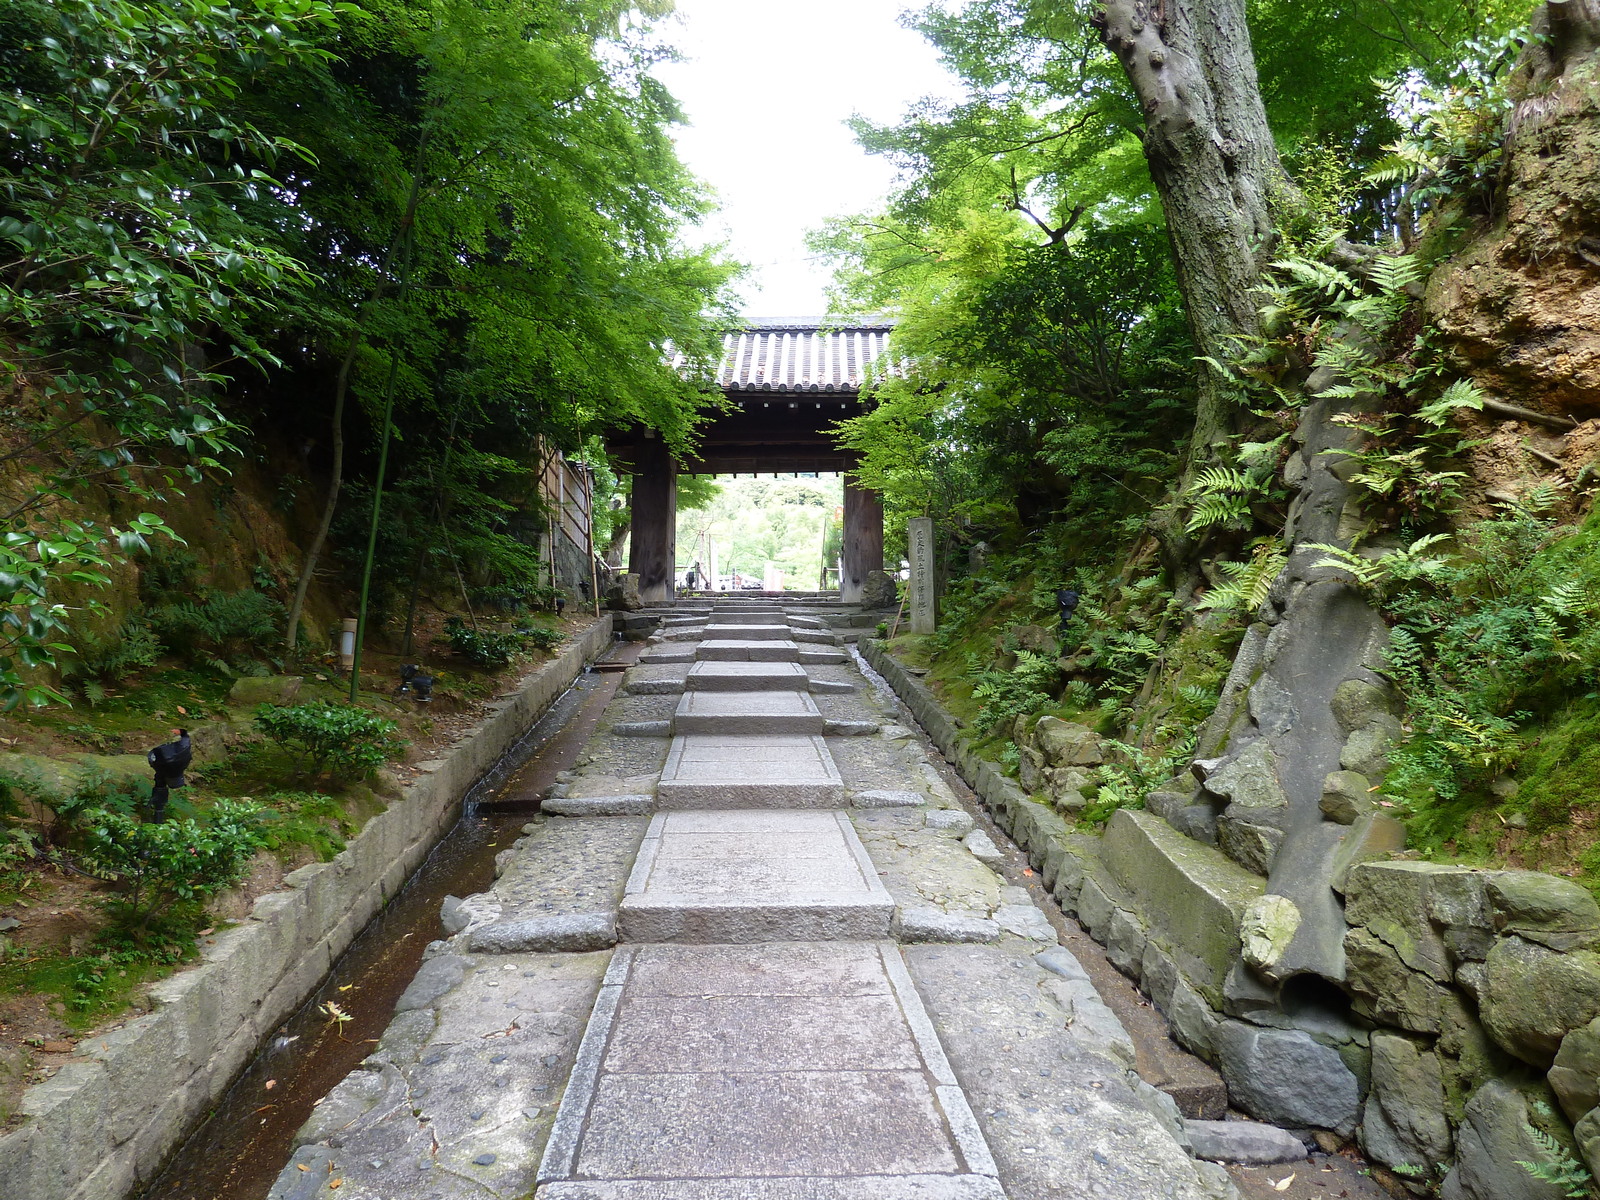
[669, 653]
[735, 771]
[746, 677]
[747, 712]
[742, 650]
[818, 656]
[748, 631]
[753, 876]
[794, 1071]
[854, 1187]
[767, 617]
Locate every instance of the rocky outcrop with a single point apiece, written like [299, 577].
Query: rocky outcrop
[1519, 306]
[1468, 1017]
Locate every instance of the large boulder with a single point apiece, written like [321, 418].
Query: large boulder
[1251, 844]
[1587, 1134]
[1357, 703]
[1067, 744]
[879, 591]
[1285, 1077]
[268, 689]
[1543, 908]
[1575, 1077]
[1385, 989]
[1268, 927]
[1192, 896]
[1345, 797]
[1392, 900]
[1367, 750]
[1532, 997]
[1249, 781]
[1404, 1122]
[1494, 1140]
[623, 594]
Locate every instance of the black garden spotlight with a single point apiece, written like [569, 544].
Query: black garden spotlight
[169, 761]
[415, 682]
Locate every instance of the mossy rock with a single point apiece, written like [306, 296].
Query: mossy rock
[1533, 997]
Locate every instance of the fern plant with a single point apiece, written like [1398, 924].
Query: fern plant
[1227, 495]
[1558, 1168]
[222, 630]
[1371, 574]
[1003, 696]
[1404, 466]
[1250, 581]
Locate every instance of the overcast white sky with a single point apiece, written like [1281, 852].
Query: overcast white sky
[767, 86]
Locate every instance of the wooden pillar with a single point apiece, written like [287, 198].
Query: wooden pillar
[652, 556]
[862, 547]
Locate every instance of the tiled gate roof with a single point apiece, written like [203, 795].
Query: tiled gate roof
[799, 354]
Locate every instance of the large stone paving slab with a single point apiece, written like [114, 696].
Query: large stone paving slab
[560, 887]
[747, 712]
[458, 1098]
[816, 1077]
[736, 771]
[751, 877]
[1045, 1065]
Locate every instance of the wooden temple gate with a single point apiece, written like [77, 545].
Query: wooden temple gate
[788, 382]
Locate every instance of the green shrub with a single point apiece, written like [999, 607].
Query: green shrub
[175, 862]
[347, 741]
[483, 647]
[543, 637]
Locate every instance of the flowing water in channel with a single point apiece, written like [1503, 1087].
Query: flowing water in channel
[239, 1150]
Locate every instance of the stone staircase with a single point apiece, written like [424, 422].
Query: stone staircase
[757, 1034]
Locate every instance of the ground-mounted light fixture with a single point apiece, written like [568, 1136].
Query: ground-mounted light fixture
[347, 643]
[416, 683]
[169, 761]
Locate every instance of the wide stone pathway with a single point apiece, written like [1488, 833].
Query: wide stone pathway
[751, 951]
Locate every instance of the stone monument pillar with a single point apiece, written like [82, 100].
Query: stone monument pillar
[919, 547]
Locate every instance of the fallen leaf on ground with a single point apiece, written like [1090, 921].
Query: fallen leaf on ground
[1283, 1184]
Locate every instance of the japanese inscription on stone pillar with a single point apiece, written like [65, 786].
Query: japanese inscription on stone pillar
[919, 543]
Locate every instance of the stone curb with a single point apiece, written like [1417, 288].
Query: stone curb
[99, 1128]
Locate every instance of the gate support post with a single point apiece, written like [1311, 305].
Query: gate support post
[653, 552]
[862, 544]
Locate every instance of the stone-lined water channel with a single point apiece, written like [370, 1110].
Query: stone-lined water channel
[239, 1150]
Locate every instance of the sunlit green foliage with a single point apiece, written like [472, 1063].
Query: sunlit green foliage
[160, 865]
[341, 739]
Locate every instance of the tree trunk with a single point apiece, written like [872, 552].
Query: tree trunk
[340, 392]
[1565, 32]
[1216, 169]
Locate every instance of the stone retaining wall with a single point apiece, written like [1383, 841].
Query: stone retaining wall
[1470, 1009]
[103, 1124]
